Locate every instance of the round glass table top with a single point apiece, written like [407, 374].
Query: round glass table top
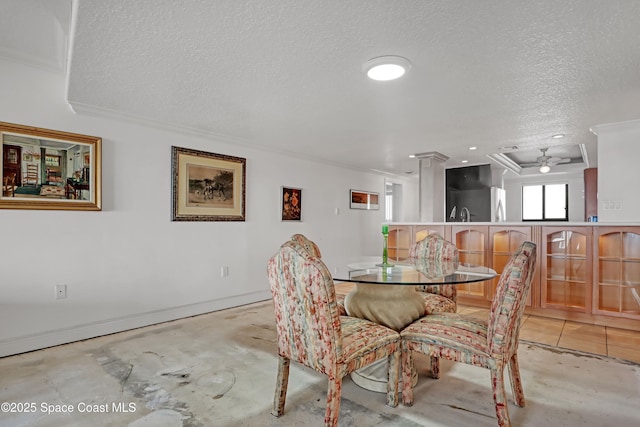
[410, 273]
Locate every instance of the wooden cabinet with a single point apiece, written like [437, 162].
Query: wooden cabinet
[566, 268]
[399, 242]
[402, 237]
[590, 192]
[472, 244]
[503, 243]
[588, 273]
[422, 231]
[617, 272]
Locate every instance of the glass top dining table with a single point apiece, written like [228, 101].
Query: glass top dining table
[387, 295]
[407, 273]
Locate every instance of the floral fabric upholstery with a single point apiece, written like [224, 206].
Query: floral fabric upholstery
[311, 331]
[309, 245]
[313, 250]
[492, 344]
[436, 257]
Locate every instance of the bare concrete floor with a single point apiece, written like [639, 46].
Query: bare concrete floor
[219, 369]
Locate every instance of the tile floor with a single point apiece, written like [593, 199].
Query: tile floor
[602, 340]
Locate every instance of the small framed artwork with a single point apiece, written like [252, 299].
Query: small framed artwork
[364, 200]
[46, 169]
[291, 204]
[207, 186]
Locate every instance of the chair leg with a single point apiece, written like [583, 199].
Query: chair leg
[516, 382]
[333, 402]
[407, 376]
[393, 378]
[435, 367]
[499, 396]
[281, 386]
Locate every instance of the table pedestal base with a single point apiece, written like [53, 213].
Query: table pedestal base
[394, 306]
[374, 377]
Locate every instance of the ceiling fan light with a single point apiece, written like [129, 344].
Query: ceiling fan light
[385, 68]
[544, 169]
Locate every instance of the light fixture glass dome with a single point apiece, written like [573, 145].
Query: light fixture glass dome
[544, 169]
[385, 68]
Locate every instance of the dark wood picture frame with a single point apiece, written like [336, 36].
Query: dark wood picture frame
[207, 186]
[291, 203]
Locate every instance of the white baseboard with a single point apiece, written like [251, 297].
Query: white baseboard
[52, 338]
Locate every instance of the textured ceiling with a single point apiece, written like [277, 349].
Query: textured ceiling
[287, 75]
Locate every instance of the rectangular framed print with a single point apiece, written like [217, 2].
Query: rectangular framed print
[291, 204]
[207, 186]
[50, 169]
[364, 200]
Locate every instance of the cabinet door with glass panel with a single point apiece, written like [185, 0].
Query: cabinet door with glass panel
[399, 242]
[617, 272]
[472, 244]
[566, 268]
[504, 242]
[422, 231]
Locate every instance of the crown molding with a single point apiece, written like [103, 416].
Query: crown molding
[616, 127]
[506, 162]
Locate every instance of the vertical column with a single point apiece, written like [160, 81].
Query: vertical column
[432, 186]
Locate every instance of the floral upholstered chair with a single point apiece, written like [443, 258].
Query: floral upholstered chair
[436, 257]
[309, 245]
[311, 331]
[491, 344]
[313, 250]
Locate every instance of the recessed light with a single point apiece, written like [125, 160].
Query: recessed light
[557, 136]
[385, 68]
[412, 156]
[473, 148]
[464, 161]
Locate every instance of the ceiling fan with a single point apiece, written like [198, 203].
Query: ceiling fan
[545, 162]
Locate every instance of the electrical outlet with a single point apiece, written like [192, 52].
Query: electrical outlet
[61, 291]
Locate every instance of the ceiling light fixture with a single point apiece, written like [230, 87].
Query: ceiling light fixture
[385, 68]
[464, 161]
[545, 168]
[557, 136]
[473, 148]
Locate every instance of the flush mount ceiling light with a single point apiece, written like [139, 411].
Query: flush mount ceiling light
[385, 68]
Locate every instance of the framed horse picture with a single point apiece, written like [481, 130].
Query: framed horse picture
[207, 186]
[291, 204]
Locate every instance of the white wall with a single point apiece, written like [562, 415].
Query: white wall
[129, 265]
[513, 192]
[618, 172]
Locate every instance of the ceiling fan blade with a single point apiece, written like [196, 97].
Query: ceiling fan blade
[558, 160]
[529, 165]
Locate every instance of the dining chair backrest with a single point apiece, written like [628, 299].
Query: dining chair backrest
[307, 317]
[507, 306]
[308, 244]
[438, 257]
